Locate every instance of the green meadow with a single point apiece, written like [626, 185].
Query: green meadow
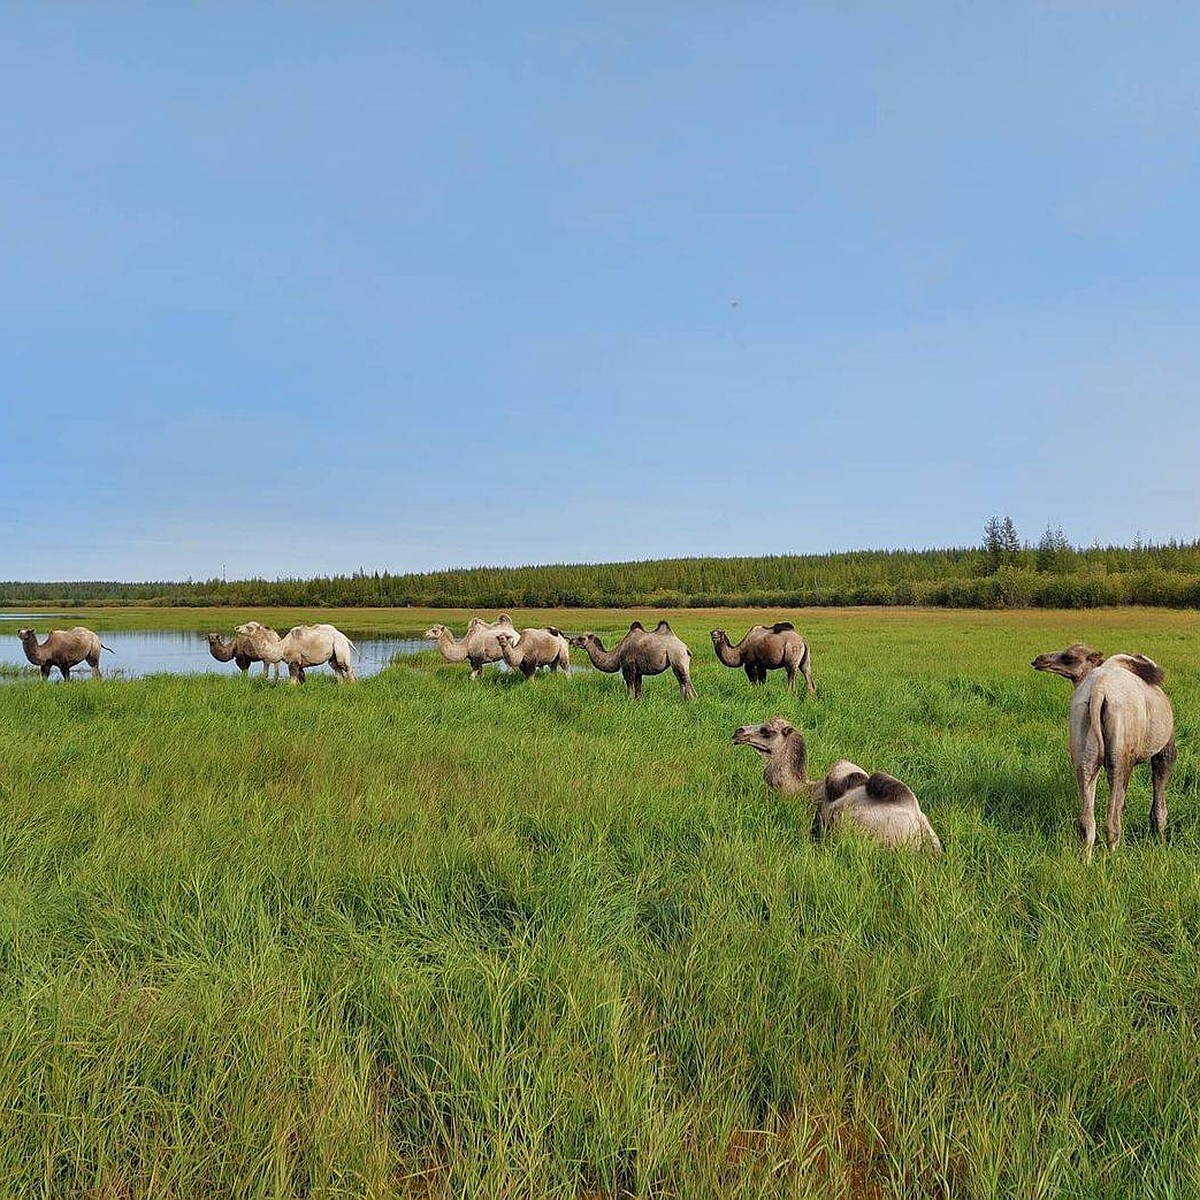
[421, 937]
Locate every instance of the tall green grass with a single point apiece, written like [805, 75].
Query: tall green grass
[420, 937]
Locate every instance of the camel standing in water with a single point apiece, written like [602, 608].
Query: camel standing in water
[479, 645]
[766, 649]
[301, 647]
[878, 804]
[1120, 716]
[239, 651]
[64, 649]
[536, 648]
[641, 653]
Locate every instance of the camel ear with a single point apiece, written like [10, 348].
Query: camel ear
[1095, 658]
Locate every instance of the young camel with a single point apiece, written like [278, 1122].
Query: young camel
[301, 647]
[641, 653]
[1120, 716]
[64, 649]
[879, 804]
[479, 645]
[239, 651]
[766, 649]
[537, 648]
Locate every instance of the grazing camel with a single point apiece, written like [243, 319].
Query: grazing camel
[879, 804]
[537, 648]
[641, 653]
[1120, 716]
[301, 647]
[239, 651]
[478, 646]
[767, 649]
[64, 649]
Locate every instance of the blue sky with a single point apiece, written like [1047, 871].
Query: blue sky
[288, 290]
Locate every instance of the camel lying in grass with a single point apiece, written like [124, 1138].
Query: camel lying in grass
[64, 649]
[536, 648]
[301, 647]
[880, 805]
[239, 651]
[641, 653]
[1120, 716]
[479, 645]
[766, 649]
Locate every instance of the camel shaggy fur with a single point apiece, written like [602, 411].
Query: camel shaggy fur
[64, 649]
[239, 651]
[479, 645]
[1120, 716]
[766, 649]
[878, 804]
[301, 647]
[641, 653]
[536, 648]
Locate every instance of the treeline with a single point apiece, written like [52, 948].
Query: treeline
[1049, 575]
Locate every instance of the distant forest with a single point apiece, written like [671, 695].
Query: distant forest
[1002, 572]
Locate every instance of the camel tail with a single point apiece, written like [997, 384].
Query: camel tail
[1096, 721]
[108, 648]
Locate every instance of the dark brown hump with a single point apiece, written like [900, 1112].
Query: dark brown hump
[837, 788]
[782, 627]
[556, 632]
[662, 627]
[887, 788]
[1144, 668]
[636, 625]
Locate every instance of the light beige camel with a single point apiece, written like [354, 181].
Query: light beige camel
[536, 648]
[478, 646]
[641, 653]
[767, 648]
[880, 805]
[64, 649]
[1120, 716]
[239, 651]
[301, 647]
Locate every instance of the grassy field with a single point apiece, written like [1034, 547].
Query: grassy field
[428, 938]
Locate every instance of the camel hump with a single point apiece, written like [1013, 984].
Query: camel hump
[783, 627]
[1144, 668]
[556, 632]
[636, 625]
[887, 788]
[662, 627]
[837, 787]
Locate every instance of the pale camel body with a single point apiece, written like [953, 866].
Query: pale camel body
[479, 646]
[64, 649]
[239, 651]
[641, 653]
[767, 648]
[301, 647]
[1120, 716]
[880, 805]
[536, 648]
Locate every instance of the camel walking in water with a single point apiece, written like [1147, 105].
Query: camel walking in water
[766, 649]
[880, 805]
[1120, 716]
[479, 645]
[301, 647]
[641, 653]
[537, 648]
[64, 649]
[239, 651]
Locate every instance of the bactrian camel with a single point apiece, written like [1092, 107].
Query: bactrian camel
[478, 646]
[641, 653]
[1120, 716]
[536, 648]
[767, 648]
[301, 647]
[239, 651]
[64, 649]
[878, 804]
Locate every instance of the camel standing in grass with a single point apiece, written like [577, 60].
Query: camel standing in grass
[301, 647]
[641, 653]
[1120, 716]
[878, 804]
[64, 649]
[766, 649]
[478, 646]
[536, 648]
[239, 651]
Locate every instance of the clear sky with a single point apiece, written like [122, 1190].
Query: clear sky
[296, 289]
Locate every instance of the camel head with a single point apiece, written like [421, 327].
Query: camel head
[782, 746]
[1073, 663]
[251, 628]
[26, 635]
[767, 738]
[580, 640]
[435, 632]
[719, 637]
[214, 639]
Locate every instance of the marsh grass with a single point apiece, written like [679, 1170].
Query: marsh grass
[425, 938]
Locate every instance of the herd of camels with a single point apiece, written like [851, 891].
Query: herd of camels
[1119, 716]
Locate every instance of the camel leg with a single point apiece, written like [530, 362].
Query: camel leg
[806, 668]
[1118, 785]
[790, 668]
[266, 669]
[750, 673]
[1085, 777]
[633, 682]
[1160, 771]
[65, 671]
[46, 671]
[295, 673]
[94, 663]
[686, 691]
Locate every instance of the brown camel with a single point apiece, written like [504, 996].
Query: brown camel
[478, 646]
[641, 653]
[1120, 716]
[878, 804]
[239, 651]
[64, 649]
[536, 648]
[766, 649]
